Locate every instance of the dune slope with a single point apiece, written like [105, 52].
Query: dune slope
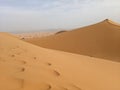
[24, 66]
[101, 40]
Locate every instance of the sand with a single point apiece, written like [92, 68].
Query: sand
[24, 66]
[30, 35]
[101, 40]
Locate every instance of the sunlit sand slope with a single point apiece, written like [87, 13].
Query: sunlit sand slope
[24, 66]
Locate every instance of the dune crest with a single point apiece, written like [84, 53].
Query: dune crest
[101, 40]
[111, 22]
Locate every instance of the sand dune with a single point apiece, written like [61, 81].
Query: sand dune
[24, 66]
[101, 40]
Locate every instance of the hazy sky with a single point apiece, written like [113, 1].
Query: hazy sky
[33, 15]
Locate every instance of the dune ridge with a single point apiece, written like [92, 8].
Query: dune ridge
[112, 22]
[24, 66]
[101, 40]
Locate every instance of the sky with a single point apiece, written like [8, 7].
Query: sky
[41, 15]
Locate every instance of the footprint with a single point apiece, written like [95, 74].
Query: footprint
[56, 73]
[12, 55]
[49, 64]
[19, 69]
[35, 58]
[23, 62]
[39, 86]
[22, 69]
[49, 87]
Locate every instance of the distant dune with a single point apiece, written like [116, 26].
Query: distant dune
[101, 40]
[26, 36]
[59, 32]
[24, 66]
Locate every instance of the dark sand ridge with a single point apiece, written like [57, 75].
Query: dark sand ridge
[101, 40]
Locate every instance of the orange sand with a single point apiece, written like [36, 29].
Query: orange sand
[24, 66]
[101, 40]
